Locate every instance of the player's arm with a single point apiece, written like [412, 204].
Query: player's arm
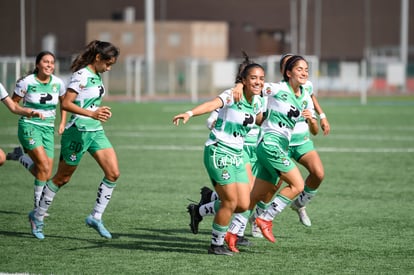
[63, 117]
[19, 110]
[102, 114]
[323, 120]
[311, 121]
[204, 108]
[237, 91]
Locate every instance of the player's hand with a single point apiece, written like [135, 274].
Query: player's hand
[325, 126]
[184, 116]
[307, 114]
[102, 113]
[61, 128]
[37, 114]
[237, 92]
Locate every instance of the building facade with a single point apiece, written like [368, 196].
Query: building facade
[331, 29]
[173, 40]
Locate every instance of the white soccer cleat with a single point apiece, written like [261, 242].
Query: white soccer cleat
[303, 216]
[256, 232]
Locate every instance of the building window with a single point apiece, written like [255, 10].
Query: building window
[174, 40]
[127, 38]
[105, 36]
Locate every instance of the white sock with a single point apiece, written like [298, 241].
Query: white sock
[38, 190]
[207, 209]
[104, 196]
[305, 196]
[237, 223]
[49, 193]
[218, 233]
[278, 204]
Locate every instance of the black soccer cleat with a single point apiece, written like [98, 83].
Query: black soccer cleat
[243, 241]
[219, 250]
[195, 217]
[16, 154]
[205, 195]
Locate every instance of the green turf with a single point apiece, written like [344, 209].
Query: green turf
[362, 217]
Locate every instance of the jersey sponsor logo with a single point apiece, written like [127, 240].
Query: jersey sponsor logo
[228, 100]
[101, 90]
[248, 119]
[45, 97]
[293, 112]
[283, 96]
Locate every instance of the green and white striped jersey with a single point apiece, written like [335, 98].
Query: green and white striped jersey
[283, 109]
[41, 97]
[301, 132]
[90, 90]
[234, 120]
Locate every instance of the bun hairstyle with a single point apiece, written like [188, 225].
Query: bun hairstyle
[245, 67]
[290, 63]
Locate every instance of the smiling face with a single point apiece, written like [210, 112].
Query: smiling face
[45, 67]
[299, 73]
[254, 81]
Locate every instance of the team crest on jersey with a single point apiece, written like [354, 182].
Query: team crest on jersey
[268, 91]
[225, 175]
[285, 161]
[304, 104]
[54, 88]
[73, 157]
[256, 107]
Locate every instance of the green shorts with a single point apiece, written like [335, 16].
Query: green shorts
[75, 143]
[225, 165]
[32, 136]
[296, 152]
[271, 161]
[251, 156]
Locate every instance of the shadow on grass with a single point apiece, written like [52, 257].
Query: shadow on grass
[10, 212]
[174, 240]
[147, 239]
[156, 240]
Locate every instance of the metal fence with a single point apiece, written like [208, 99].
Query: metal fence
[195, 80]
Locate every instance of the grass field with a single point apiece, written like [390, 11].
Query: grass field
[362, 217]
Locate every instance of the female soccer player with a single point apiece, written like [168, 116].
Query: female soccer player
[84, 133]
[223, 153]
[42, 91]
[287, 104]
[302, 150]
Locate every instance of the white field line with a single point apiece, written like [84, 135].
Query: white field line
[166, 147]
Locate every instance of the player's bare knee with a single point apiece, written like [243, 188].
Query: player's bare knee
[113, 176]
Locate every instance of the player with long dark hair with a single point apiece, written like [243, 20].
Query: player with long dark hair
[84, 133]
